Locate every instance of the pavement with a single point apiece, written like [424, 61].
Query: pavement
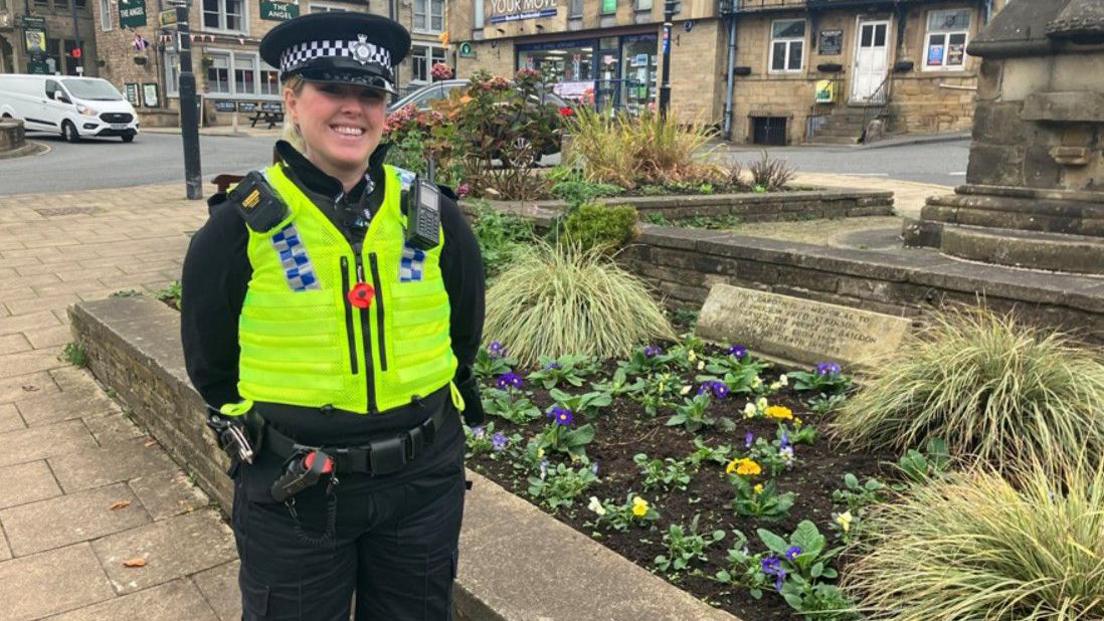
[96, 522]
[243, 130]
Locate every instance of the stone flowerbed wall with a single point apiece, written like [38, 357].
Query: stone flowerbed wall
[11, 135]
[769, 207]
[684, 263]
[516, 561]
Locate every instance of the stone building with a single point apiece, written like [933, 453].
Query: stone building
[139, 55]
[39, 36]
[802, 70]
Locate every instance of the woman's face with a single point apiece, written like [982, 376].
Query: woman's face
[341, 124]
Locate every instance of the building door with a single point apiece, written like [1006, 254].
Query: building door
[871, 61]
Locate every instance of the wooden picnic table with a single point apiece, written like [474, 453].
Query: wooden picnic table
[266, 116]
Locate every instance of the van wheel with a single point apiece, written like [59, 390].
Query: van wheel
[69, 132]
[128, 137]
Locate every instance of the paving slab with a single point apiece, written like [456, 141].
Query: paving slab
[172, 548]
[23, 445]
[54, 336]
[165, 494]
[29, 362]
[10, 418]
[17, 388]
[13, 343]
[29, 482]
[220, 586]
[121, 461]
[5, 549]
[178, 600]
[66, 520]
[19, 323]
[76, 400]
[113, 428]
[51, 582]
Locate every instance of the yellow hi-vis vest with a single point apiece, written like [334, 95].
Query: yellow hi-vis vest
[303, 342]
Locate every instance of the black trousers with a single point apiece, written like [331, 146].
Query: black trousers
[394, 546]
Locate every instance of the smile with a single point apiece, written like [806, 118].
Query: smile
[348, 130]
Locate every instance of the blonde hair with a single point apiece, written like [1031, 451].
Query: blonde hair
[291, 131]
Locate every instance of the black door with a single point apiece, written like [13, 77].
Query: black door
[768, 130]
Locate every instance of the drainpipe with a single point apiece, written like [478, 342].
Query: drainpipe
[393, 13]
[731, 76]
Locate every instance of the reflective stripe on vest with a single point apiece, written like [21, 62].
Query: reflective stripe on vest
[303, 342]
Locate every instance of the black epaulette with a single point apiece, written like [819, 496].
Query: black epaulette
[259, 205]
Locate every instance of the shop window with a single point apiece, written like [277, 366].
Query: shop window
[422, 59]
[270, 80]
[768, 130]
[639, 72]
[223, 15]
[787, 51]
[946, 40]
[218, 73]
[429, 15]
[575, 10]
[105, 16]
[71, 63]
[316, 7]
[53, 56]
[245, 74]
[172, 73]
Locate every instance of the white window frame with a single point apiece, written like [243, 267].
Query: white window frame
[477, 14]
[428, 57]
[258, 66]
[423, 22]
[172, 72]
[326, 7]
[789, 41]
[265, 67]
[946, 34]
[106, 24]
[253, 61]
[222, 18]
[643, 5]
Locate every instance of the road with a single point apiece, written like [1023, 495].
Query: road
[158, 158]
[110, 163]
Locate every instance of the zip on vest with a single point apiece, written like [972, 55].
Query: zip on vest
[349, 331]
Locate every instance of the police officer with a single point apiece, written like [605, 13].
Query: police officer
[332, 307]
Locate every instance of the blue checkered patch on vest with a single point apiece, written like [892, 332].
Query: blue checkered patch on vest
[412, 264]
[293, 255]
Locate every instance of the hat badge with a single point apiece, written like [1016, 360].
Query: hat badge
[361, 50]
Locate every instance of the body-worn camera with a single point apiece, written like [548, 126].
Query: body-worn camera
[302, 471]
[258, 203]
[423, 215]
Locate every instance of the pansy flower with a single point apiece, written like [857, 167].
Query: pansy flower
[561, 416]
[509, 380]
[499, 441]
[738, 352]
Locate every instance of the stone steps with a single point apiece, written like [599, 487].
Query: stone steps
[1029, 249]
[1017, 213]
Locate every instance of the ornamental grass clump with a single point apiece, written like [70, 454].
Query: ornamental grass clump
[992, 388]
[975, 546]
[558, 300]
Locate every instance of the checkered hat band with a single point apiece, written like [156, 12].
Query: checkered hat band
[297, 55]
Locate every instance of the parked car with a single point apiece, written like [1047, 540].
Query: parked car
[426, 95]
[71, 106]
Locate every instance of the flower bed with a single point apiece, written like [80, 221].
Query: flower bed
[677, 459]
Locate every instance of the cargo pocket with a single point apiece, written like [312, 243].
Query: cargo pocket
[254, 600]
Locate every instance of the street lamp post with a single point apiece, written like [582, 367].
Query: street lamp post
[189, 111]
[670, 7]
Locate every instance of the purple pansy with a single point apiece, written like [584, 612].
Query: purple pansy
[716, 388]
[509, 380]
[562, 416]
[785, 442]
[738, 351]
[477, 431]
[496, 349]
[651, 351]
[551, 365]
[499, 441]
[772, 566]
[793, 552]
[749, 439]
[828, 368]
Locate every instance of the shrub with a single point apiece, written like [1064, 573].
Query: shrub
[770, 174]
[989, 386]
[558, 300]
[973, 546]
[605, 227]
[500, 236]
[577, 191]
[629, 150]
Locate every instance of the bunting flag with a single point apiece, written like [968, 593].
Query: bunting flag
[140, 44]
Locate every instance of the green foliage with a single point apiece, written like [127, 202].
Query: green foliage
[509, 404]
[764, 502]
[923, 466]
[685, 546]
[770, 175]
[619, 385]
[660, 391]
[605, 227]
[988, 386]
[824, 380]
[501, 237]
[75, 354]
[565, 369]
[667, 473]
[693, 415]
[565, 439]
[858, 495]
[559, 300]
[578, 191]
[488, 365]
[720, 454]
[719, 223]
[806, 563]
[478, 440]
[170, 295]
[826, 404]
[743, 569]
[621, 517]
[558, 486]
[588, 404]
[631, 150]
[978, 545]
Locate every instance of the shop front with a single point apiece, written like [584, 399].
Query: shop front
[609, 72]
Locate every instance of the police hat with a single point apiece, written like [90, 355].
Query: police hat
[338, 47]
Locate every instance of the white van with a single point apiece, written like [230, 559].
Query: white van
[71, 106]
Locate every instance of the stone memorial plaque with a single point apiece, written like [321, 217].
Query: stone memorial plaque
[796, 329]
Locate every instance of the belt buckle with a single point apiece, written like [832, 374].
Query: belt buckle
[387, 456]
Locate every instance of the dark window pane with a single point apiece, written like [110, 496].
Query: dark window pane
[778, 61]
[880, 35]
[797, 50]
[789, 29]
[867, 36]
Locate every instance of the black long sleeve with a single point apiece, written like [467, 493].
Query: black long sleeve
[462, 271]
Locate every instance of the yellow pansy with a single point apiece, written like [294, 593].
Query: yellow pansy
[844, 520]
[640, 507]
[758, 489]
[744, 467]
[780, 412]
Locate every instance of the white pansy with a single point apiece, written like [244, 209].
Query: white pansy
[596, 506]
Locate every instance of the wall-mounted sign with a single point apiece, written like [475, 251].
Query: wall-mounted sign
[272, 106]
[516, 10]
[168, 17]
[34, 22]
[132, 96]
[830, 42]
[609, 6]
[151, 94]
[224, 105]
[467, 50]
[276, 11]
[825, 91]
[245, 106]
[132, 13]
[36, 41]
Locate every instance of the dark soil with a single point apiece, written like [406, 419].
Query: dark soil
[624, 429]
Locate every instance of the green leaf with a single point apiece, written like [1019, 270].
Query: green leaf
[776, 544]
[559, 395]
[817, 570]
[850, 480]
[808, 538]
[829, 573]
[793, 600]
